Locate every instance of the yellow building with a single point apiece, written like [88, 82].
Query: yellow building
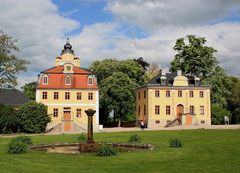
[68, 91]
[173, 99]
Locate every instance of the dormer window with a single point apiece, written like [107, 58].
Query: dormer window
[45, 80]
[197, 81]
[90, 80]
[68, 80]
[163, 80]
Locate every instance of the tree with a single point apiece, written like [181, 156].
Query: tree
[8, 119]
[10, 65]
[233, 99]
[218, 113]
[153, 70]
[117, 94]
[194, 58]
[33, 117]
[218, 81]
[104, 70]
[29, 89]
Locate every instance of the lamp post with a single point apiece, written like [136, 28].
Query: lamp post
[90, 113]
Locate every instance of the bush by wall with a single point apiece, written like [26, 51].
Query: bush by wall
[33, 117]
[8, 119]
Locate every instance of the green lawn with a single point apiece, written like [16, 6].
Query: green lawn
[203, 151]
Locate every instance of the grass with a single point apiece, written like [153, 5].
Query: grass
[203, 151]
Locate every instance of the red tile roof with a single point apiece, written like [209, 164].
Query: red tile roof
[56, 79]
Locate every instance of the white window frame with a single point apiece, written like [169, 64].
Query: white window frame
[43, 81]
[66, 80]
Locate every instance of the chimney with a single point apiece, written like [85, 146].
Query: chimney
[179, 73]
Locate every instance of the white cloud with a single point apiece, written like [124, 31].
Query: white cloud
[40, 30]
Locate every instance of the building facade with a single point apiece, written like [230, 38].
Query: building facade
[68, 91]
[173, 99]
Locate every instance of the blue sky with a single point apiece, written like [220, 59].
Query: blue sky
[119, 29]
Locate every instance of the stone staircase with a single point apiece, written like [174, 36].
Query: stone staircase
[59, 128]
[175, 122]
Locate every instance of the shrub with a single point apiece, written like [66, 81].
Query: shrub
[82, 137]
[33, 117]
[17, 146]
[175, 143]
[8, 119]
[105, 151]
[25, 139]
[134, 138]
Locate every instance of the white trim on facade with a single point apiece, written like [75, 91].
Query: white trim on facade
[37, 95]
[97, 107]
[69, 104]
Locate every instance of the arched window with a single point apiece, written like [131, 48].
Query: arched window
[45, 80]
[68, 80]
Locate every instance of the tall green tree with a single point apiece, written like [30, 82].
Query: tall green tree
[194, 57]
[10, 65]
[117, 94]
[107, 71]
[233, 99]
[29, 89]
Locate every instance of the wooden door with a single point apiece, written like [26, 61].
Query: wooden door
[180, 111]
[66, 119]
[66, 115]
[188, 119]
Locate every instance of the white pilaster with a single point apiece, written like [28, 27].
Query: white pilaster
[97, 107]
[37, 96]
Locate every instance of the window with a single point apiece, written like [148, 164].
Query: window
[68, 80]
[191, 94]
[145, 110]
[157, 93]
[90, 96]
[139, 109]
[144, 94]
[90, 81]
[168, 110]
[67, 95]
[191, 110]
[201, 94]
[168, 94]
[79, 95]
[44, 95]
[139, 95]
[55, 112]
[201, 110]
[79, 112]
[45, 79]
[202, 122]
[179, 93]
[55, 95]
[157, 122]
[157, 109]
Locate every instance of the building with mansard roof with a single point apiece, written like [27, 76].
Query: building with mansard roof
[173, 99]
[68, 90]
